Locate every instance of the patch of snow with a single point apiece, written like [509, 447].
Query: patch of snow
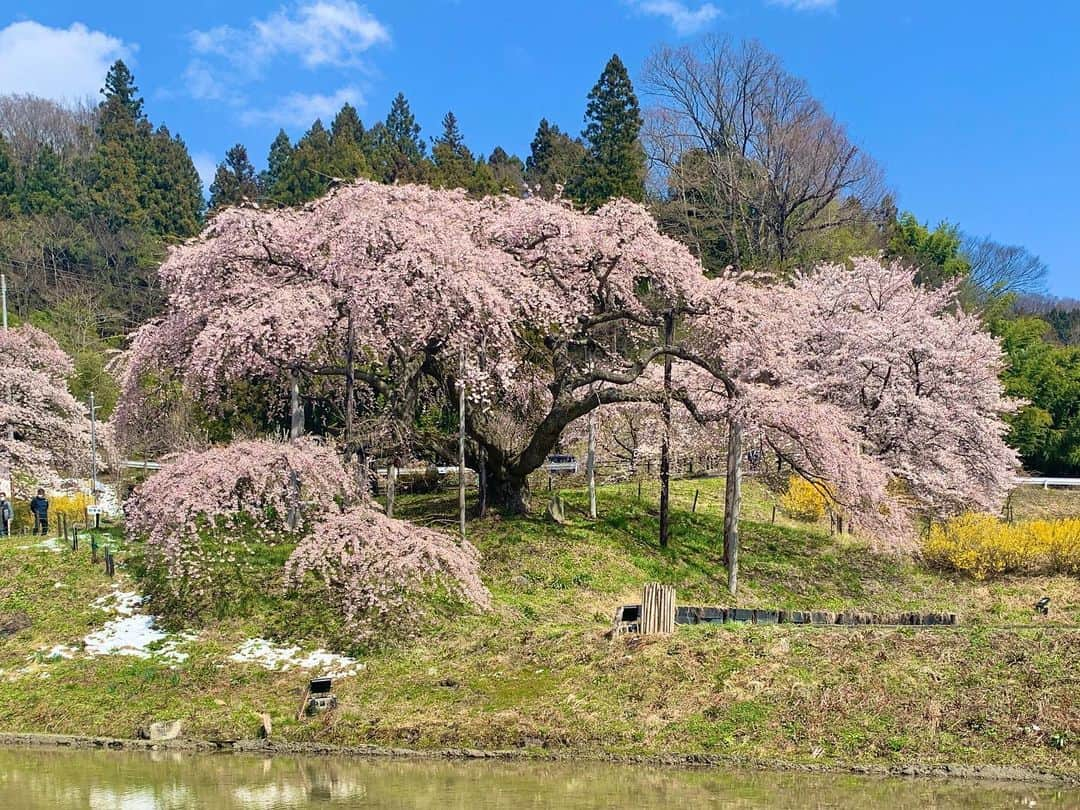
[135, 635]
[280, 658]
[60, 651]
[51, 544]
[107, 500]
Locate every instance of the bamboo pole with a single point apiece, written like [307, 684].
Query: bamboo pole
[657, 609]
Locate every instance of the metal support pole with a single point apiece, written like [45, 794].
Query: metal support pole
[461, 444]
[93, 449]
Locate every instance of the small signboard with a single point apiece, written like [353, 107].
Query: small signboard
[561, 464]
[94, 509]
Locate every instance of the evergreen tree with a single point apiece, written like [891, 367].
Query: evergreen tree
[234, 181]
[277, 162]
[113, 183]
[347, 136]
[454, 163]
[173, 196]
[508, 171]
[47, 186]
[8, 180]
[937, 253]
[307, 173]
[615, 161]
[399, 151]
[347, 125]
[555, 160]
[122, 106]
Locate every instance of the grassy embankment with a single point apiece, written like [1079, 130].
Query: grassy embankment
[537, 673]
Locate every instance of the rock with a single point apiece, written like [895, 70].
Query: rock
[12, 623]
[556, 510]
[167, 730]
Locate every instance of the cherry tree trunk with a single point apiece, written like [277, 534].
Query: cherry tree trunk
[296, 409]
[507, 492]
[732, 503]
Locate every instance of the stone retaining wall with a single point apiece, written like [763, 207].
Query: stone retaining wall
[717, 615]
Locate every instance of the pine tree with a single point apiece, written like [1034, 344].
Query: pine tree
[173, 196]
[399, 153]
[508, 171]
[307, 173]
[347, 136]
[347, 125]
[122, 106]
[234, 181]
[454, 163]
[555, 160]
[8, 180]
[615, 161]
[47, 186]
[277, 162]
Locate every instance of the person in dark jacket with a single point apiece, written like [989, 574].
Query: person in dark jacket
[6, 514]
[39, 510]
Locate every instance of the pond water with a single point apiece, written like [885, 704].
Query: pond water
[105, 780]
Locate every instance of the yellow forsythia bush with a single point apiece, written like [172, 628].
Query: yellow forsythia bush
[802, 501]
[983, 546]
[72, 506]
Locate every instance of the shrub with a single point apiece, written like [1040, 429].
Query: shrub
[72, 506]
[803, 500]
[219, 541]
[984, 546]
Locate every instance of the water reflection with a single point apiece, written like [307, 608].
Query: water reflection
[102, 780]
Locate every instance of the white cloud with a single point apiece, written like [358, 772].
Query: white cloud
[65, 64]
[300, 109]
[806, 5]
[323, 33]
[320, 35]
[684, 20]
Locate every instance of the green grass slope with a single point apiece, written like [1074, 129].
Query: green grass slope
[537, 673]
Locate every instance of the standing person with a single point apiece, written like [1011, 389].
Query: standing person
[39, 511]
[5, 515]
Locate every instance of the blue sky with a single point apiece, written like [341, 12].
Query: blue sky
[972, 108]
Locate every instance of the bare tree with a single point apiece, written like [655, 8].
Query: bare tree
[997, 269]
[736, 136]
[28, 123]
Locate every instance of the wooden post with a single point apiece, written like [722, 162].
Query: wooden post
[694, 507]
[657, 609]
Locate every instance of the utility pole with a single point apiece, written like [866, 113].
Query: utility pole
[3, 297]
